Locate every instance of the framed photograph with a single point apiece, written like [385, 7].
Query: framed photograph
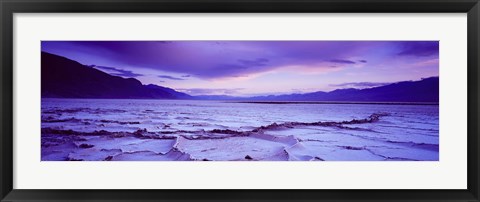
[239, 101]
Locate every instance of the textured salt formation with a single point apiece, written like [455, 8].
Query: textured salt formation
[112, 130]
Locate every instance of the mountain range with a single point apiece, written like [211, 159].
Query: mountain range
[425, 90]
[65, 78]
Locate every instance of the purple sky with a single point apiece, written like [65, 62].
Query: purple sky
[245, 68]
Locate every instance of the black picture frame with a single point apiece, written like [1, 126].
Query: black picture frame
[10, 7]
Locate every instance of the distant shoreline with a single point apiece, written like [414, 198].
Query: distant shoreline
[335, 102]
[267, 102]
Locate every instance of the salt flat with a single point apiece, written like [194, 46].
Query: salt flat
[180, 130]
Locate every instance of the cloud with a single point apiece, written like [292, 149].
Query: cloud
[170, 77]
[117, 72]
[419, 48]
[186, 76]
[210, 91]
[253, 63]
[426, 63]
[209, 59]
[360, 84]
[341, 61]
[226, 59]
